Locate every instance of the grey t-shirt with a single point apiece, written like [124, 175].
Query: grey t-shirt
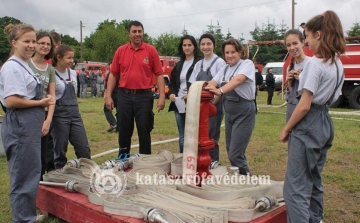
[15, 80]
[214, 69]
[47, 75]
[320, 78]
[291, 95]
[246, 67]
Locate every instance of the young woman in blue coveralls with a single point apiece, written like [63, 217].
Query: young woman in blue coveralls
[44, 50]
[67, 121]
[236, 83]
[294, 42]
[21, 92]
[310, 125]
[210, 66]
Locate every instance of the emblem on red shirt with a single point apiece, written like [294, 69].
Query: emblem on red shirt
[146, 60]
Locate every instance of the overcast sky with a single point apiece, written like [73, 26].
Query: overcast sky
[161, 16]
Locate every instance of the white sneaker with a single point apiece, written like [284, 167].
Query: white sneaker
[39, 218]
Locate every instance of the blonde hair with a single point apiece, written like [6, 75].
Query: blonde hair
[14, 32]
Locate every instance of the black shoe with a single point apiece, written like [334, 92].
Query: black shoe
[111, 128]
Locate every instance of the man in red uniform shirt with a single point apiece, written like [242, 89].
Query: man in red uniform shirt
[136, 62]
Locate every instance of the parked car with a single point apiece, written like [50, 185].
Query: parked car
[278, 73]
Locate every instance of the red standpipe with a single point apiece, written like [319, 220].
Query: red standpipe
[205, 144]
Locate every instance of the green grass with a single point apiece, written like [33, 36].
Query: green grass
[265, 153]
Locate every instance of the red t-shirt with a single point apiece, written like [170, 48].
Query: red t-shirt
[136, 67]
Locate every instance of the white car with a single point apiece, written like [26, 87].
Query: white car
[277, 71]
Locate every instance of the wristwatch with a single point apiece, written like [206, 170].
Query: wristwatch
[221, 91]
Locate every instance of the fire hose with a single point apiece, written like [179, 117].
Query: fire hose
[171, 202]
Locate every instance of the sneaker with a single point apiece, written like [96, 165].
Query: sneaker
[214, 164]
[111, 128]
[40, 218]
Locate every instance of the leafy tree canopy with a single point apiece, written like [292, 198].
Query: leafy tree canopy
[109, 35]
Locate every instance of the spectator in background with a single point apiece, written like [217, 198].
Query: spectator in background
[258, 82]
[83, 79]
[180, 74]
[135, 99]
[270, 85]
[302, 29]
[108, 113]
[57, 39]
[93, 81]
[99, 83]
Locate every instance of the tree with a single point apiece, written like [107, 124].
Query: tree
[166, 44]
[4, 42]
[355, 30]
[271, 52]
[102, 44]
[184, 32]
[229, 35]
[219, 37]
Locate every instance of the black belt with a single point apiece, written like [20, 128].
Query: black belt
[135, 91]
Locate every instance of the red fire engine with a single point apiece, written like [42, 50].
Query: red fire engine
[351, 62]
[168, 63]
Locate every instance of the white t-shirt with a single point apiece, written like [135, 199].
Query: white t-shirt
[321, 79]
[15, 80]
[246, 67]
[214, 69]
[184, 70]
[300, 66]
[60, 85]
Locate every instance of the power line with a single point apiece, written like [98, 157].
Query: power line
[200, 13]
[67, 27]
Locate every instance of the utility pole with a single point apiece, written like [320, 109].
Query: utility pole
[81, 26]
[293, 13]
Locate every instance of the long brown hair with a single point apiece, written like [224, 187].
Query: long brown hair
[292, 62]
[332, 41]
[42, 34]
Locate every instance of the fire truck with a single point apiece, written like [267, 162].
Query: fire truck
[89, 65]
[167, 63]
[351, 62]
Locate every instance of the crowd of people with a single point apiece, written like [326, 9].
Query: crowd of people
[42, 113]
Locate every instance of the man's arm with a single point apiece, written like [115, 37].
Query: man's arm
[161, 89]
[111, 83]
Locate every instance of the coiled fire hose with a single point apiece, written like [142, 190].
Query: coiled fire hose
[168, 200]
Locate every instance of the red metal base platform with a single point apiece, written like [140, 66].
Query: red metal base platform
[75, 208]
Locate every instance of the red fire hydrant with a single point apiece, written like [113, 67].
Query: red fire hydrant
[205, 144]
